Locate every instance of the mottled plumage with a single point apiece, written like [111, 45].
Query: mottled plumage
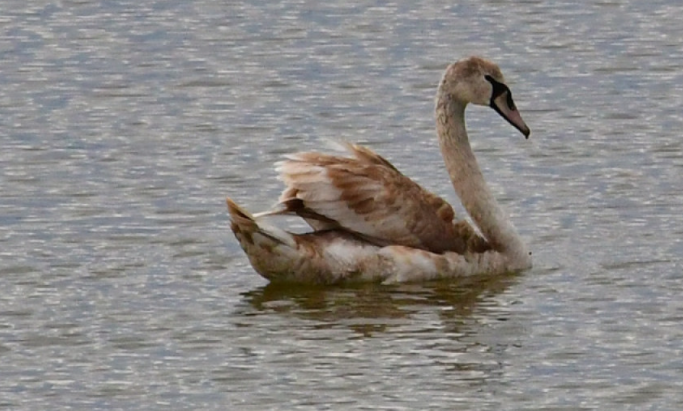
[372, 223]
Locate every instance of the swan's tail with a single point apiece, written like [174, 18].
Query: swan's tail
[326, 256]
[247, 228]
[271, 250]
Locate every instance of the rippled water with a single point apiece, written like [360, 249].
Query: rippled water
[123, 126]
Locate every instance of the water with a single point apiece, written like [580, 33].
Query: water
[123, 126]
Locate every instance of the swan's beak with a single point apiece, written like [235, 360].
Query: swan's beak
[505, 106]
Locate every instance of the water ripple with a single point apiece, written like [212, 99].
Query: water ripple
[124, 125]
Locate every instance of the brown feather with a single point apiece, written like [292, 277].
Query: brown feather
[367, 195]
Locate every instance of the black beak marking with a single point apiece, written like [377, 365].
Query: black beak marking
[498, 89]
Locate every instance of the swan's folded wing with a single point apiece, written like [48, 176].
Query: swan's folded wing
[369, 196]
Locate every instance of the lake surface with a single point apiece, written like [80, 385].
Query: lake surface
[123, 127]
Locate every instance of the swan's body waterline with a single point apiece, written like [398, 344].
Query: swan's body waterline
[371, 223]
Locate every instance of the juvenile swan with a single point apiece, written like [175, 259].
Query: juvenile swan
[372, 223]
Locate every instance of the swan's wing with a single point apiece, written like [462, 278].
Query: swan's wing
[367, 195]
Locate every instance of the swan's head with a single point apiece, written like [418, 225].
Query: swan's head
[479, 81]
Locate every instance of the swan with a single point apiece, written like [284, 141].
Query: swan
[371, 223]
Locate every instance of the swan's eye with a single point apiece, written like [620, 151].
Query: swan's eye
[498, 87]
[498, 90]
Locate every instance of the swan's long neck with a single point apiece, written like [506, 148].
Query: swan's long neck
[468, 180]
